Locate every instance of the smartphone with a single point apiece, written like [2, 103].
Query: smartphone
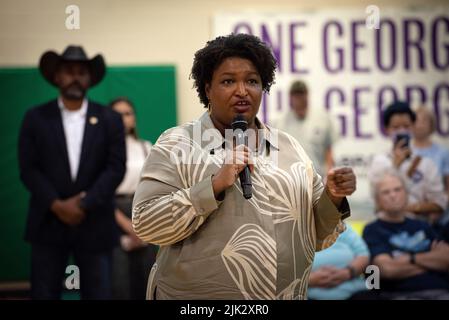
[403, 137]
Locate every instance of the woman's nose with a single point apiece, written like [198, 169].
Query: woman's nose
[241, 90]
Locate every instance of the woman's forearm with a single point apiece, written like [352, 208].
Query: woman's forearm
[359, 264]
[422, 208]
[172, 215]
[398, 268]
[433, 260]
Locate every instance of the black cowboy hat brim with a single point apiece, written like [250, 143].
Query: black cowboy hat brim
[50, 61]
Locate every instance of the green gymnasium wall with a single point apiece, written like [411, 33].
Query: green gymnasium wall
[151, 88]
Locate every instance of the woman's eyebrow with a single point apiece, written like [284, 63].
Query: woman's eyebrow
[228, 73]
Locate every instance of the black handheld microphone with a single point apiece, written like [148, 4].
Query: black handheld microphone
[239, 125]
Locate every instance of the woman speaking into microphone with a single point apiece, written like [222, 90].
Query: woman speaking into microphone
[216, 243]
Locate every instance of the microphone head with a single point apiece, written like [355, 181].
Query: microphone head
[239, 122]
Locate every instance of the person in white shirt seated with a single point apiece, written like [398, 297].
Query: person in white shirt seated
[427, 198]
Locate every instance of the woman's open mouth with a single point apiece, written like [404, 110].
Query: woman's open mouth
[242, 106]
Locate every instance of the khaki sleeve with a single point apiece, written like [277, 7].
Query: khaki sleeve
[329, 221]
[165, 208]
[328, 218]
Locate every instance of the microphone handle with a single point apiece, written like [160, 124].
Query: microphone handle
[245, 174]
[245, 183]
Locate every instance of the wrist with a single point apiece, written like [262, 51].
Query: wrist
[397, 161]
[416, 207]
[55, 205]
[217, 187]
[412, 258]
[82, 204]
[352, 272]
[334, 199]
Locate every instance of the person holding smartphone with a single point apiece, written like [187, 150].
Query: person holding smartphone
[427, 199]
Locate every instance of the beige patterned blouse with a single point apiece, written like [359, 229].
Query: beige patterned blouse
[261, 248]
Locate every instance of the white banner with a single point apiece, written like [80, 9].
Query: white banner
[355, 62]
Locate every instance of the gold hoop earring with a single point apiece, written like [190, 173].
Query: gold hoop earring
[209, 107]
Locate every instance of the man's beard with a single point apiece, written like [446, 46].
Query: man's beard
[73, 91]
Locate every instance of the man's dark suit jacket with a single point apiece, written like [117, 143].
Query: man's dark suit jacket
[45, 171]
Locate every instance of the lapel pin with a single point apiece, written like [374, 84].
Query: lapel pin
[93, 120]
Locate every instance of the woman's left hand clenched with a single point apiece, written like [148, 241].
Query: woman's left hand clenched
[341, 182]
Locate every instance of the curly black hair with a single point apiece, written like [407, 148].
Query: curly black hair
[397, 107]
[250, 47]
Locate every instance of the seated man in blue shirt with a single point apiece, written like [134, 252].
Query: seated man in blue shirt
[413, 263]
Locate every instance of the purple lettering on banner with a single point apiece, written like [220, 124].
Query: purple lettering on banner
[358, 112]
[442, 65]
[244, 26]
[441, 115]
[416, 43]
[327, 103]
[356, 44]
[339, 51]
[275, 48]
[384, 25]
[382, 104]
[422, 96]
[295, 46]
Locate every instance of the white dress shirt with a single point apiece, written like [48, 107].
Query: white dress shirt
[73, 123]
[136, 153]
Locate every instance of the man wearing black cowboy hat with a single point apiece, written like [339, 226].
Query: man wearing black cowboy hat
[72, 158]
